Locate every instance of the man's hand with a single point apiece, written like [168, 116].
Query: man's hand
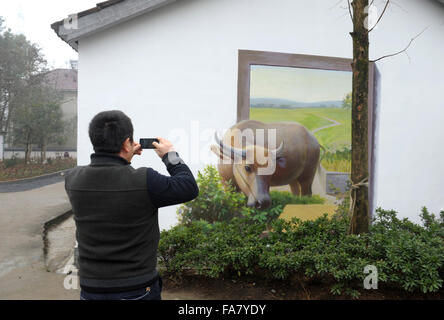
[137, 148]
[163, 147]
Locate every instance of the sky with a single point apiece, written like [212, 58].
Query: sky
[33, 19]
[298, 84]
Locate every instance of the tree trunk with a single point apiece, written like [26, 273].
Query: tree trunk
[43, 152]
[28, 149]
[360, 210]
[3, 115]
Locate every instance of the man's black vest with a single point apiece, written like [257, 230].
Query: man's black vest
[117, 225]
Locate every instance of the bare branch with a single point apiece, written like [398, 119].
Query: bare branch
[404, 50]
[380, 17]
[342, 7]
[399, 6]
[349, 10]
[336, 4]
[343, 15]
[407, 54]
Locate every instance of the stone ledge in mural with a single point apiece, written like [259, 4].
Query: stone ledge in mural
[337, 182]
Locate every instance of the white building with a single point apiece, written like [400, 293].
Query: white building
[173, 67]
[65, 82]
[2, 144]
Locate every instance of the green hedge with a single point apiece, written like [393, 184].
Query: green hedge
[408, 256]
[219, 202]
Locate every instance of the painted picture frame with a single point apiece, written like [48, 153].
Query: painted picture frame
[249, 59]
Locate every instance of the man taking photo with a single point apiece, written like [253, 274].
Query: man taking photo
[115, 210]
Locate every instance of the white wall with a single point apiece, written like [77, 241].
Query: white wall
[37, 154]
[178, 65]
[409, 170]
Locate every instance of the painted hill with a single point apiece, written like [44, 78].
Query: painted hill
[290, 104]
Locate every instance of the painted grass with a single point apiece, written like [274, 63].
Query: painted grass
[331, 138]
[334, 138]
[337, 165]
[302, 116]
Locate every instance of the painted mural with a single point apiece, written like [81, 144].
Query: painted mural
[319, 100]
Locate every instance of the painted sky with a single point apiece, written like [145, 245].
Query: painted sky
[298, 84]
[33, 19]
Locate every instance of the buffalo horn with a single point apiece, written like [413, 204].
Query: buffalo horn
[228, 150]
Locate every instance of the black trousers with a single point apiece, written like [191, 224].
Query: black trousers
[149, 293]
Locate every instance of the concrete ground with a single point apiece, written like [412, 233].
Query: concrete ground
[22, 216]
[23, 274]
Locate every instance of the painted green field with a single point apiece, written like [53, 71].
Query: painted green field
[336, 139]
[302, 116]
[333, 138]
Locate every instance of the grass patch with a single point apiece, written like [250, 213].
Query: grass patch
[302, 116]
[13, 169]
[337, 165]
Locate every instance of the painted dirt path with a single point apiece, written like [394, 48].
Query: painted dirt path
[334, 124]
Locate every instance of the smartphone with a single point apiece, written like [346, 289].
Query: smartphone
[148, 143]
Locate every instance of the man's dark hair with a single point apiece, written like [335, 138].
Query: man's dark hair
[109, 129]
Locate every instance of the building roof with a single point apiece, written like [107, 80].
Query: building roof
[103, 16]
[62, 79]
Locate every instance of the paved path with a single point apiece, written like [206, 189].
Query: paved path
[23, 273]
[22, 216]
[31, 183]
[334, 124]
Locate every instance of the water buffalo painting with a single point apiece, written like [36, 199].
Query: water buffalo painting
[296, 160]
